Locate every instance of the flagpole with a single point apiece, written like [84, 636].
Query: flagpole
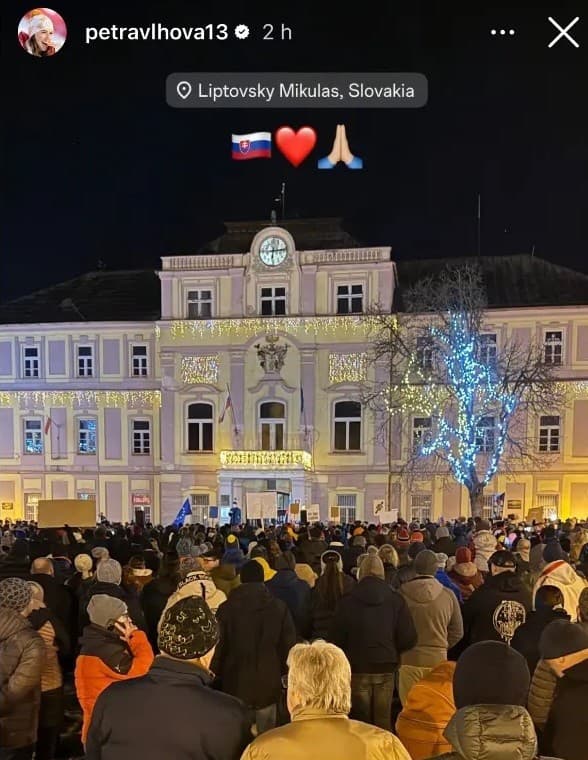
[235, 428]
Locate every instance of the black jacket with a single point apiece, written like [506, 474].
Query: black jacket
[153, 600]
[128, 597]
[22, 655]
[169, 712]
[565, 732]
[444, 545]
[321, 614]
[526, 638]
[349, 556]
[295, 593]
[373, 626]
[257, 632]
[496, 609]
[310, 552]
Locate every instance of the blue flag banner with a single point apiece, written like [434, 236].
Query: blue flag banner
[185, 510]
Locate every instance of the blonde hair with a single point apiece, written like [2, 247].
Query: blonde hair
[387, 553]
[320, 676]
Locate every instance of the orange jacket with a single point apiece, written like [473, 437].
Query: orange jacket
[427, 711]
[92, 675]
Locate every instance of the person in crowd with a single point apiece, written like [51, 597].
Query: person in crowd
[522, 554]
[389, 556]
[319, 701]
[558, 572]
[83, 575]
[57, 597]
[373, 626]
[436, 615]
[16, 564]
[172, 711]
[484, 543]
[548, 607]
[402, 545]
[256, 634]
[312, 548]
[112, 649]
[197, 583]
[442, 576]
[233, 554]
[496, 609]
[22, 656]
[108, 580]
[295, 594]
[428, 709]
[136, 575]
[225, 577]
[155, 594]
[56, 640]
[564, 648]
[305, 573]
[443, 542]
[464, 573]
[407, 572]
[490, 687]
[330, 587]
[583, 609]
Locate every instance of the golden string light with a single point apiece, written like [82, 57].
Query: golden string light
[347, 368]
[199, 369]
[117, 399]
[266, 459]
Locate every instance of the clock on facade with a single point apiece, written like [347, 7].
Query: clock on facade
[273, 251]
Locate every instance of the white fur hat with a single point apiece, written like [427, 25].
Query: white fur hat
[40, 23]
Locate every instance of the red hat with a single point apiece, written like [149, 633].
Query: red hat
[402, 536]
[415, 537]
[462, 555]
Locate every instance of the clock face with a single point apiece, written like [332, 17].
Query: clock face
[273, 251]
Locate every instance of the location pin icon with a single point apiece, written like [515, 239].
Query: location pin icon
[184, 89]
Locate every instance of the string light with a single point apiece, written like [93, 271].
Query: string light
[117, 399]
[199, 369]
[347, 368]
[266, 459]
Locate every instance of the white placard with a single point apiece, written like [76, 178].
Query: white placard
[313, 513]
[388, 517]
[262, 505]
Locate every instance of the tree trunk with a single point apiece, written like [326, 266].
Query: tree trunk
[477, 501]
[389, 491]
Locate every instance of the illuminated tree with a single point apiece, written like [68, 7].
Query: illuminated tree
[476, 399]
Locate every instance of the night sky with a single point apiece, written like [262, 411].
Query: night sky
[96, 167]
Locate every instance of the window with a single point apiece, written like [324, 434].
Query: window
[86, 495]
[485, 435]
[349, 299]
[347, 503]
[141, 437]
[200, 505]
[200, 427]
[33, 437]
[30, 361]
[272, 423]
[420, 507]
[87, 436]
[347, 426]
[421, 431]
[139, 361]
[31, 506]
[487, 349]
[553, 347]
[549, 503]
[85, 361]
[273, 302]
[424, 353]
[549, 433]
[199, 304]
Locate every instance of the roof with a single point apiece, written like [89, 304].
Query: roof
[126, 296]
[309, 234]
[511, 281]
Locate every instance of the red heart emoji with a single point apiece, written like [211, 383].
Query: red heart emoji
[295, 146]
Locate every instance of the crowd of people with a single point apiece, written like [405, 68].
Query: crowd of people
[463, 640]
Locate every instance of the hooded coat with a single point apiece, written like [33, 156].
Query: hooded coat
[563, 576]
[485, 544]
[225, 578]
[22, 654]
[436, 615]
[200, 584]
[466, 577]
[296, 595]
[496, 609]
[565, 732]
[526, 637]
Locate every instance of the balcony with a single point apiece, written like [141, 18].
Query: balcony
[270, 460]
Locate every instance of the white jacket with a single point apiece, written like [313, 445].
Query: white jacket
[564, 577]
[197, 583]
[485, 544]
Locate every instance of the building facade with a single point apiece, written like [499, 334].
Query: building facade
[243, 377]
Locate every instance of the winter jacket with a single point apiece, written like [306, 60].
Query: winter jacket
[565, 732]
[14, 566]
[321, 614]
[349, 557]
[153, 601]
[496, 609]
[315, 735]
[104, 659]
[22, 656]
[57, 598]
[446, 581]
[256, 634]
[391, 575]
[491, 732]
[295, 594]
[234, 557]
[225, 578]
[541, 693]
[197, 584]
[437, 618]
[564, 577]
[129, 598]
[170, 712]
[484, 545]
[373, 626]
[466, 577]
[526, 638]
[428, 709]
[310, 553]
[55, 639]
[444, 545]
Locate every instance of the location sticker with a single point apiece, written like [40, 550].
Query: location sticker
[184, 89]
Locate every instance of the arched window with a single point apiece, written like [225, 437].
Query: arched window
[199, 423]
[272, 423]
[347, 436]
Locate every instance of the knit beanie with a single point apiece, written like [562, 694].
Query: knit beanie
[524, 548]
[15, 594]
[252, 572]
[463, 555]
[109, 571]
[425, 563]
[371, 565]
[553, 552]
[560, 638]
[415, 548]
[100, 552]
[402, 537]
[491, 673]
[188, 629]
[416, 537]
[231, 542]
[441, 560]
[104, 610]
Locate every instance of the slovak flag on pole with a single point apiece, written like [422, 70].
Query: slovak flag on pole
[48, 424]
[185, 510]
[228, 405]
[253, 145]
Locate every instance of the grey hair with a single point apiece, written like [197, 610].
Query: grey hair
[320, 676]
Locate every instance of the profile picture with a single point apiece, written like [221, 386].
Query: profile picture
[42, 32]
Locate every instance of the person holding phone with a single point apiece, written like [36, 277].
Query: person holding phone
[112, 649]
